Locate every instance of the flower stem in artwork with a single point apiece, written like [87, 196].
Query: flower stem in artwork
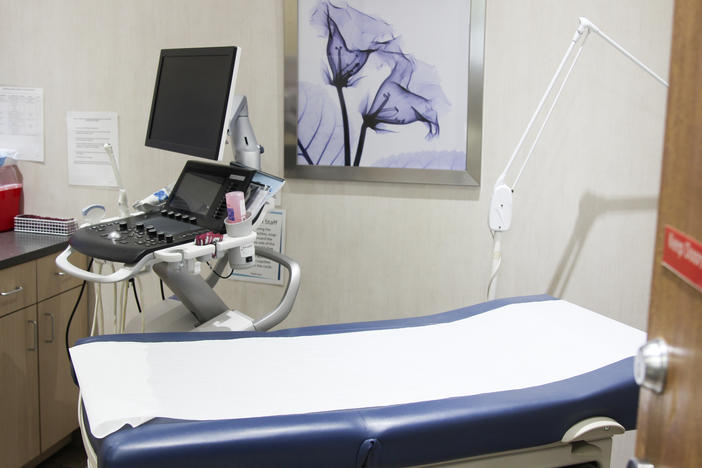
[345, 120]
[361, 142]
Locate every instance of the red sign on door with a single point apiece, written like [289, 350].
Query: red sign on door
[683, 256]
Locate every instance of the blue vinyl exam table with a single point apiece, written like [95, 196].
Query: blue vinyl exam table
[529, 381]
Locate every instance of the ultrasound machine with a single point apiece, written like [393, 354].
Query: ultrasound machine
[194, 111]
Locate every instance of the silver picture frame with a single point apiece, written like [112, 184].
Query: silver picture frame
[468, 177]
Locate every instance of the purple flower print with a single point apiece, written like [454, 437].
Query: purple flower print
[409, 94]
[351, 37]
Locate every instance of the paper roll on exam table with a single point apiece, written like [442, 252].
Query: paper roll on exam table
[523, 377]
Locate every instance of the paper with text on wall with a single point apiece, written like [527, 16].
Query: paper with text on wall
[88, 164]
[22, 122]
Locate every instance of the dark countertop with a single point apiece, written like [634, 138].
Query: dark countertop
[21, 247]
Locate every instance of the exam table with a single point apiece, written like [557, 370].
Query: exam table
[527, 381]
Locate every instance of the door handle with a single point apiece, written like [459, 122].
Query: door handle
[651, 365]
[34, 325]
[636, 463]
[53, 327]
[60, 273]
[10, 293]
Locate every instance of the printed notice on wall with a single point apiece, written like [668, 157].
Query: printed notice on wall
[22, 123]
[88, 163]
[270, 235]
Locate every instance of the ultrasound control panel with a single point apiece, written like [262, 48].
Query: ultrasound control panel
[127, 240]
[196, 205]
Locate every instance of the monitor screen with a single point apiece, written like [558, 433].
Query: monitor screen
[190, 109]
[196, 192]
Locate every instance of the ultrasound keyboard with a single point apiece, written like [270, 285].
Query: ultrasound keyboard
[196, 205]
[129, 239]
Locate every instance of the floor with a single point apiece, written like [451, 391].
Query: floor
[71, 456]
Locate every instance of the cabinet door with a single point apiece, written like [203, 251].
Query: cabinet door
[58, 393]
[18, 287]
[51, 280]
[19, 388]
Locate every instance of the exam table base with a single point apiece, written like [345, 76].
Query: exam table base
[554, 455]
[545, 456]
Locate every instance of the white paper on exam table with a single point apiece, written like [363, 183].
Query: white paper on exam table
[528, 344]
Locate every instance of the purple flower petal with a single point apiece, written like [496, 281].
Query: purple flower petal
[398, 100]
[352, 37]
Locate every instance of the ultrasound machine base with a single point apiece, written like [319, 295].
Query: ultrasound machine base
[170, 315]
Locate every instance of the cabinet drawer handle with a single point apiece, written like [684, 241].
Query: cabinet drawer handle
[34, 325]
[10, 293]
[60, 273]
[53, 323]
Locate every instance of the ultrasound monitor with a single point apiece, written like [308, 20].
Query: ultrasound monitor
[197, 192]
[193, 100]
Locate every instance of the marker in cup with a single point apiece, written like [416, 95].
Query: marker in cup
[236, 207]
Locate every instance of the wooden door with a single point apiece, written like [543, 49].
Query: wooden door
[670, 423]
[57, 392]
[19, 388]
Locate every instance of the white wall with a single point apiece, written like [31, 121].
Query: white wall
[590, 189]
[590, 193]
[584, 210]
[371, 251]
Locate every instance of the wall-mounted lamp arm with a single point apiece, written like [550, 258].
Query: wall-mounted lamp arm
[500, 210]
[586, 23]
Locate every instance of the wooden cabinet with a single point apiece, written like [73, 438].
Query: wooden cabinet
[19, 387]
[18, 287]
[51, 280]
[38, 399]
[58, 394]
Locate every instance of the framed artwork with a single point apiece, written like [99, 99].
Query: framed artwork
[384, 90]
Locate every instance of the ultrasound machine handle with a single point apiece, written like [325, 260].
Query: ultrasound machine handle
[191, 251]
[126, 272]
[279, 314]
[173, 254]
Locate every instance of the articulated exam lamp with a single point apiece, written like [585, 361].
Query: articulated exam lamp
[500, 214]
